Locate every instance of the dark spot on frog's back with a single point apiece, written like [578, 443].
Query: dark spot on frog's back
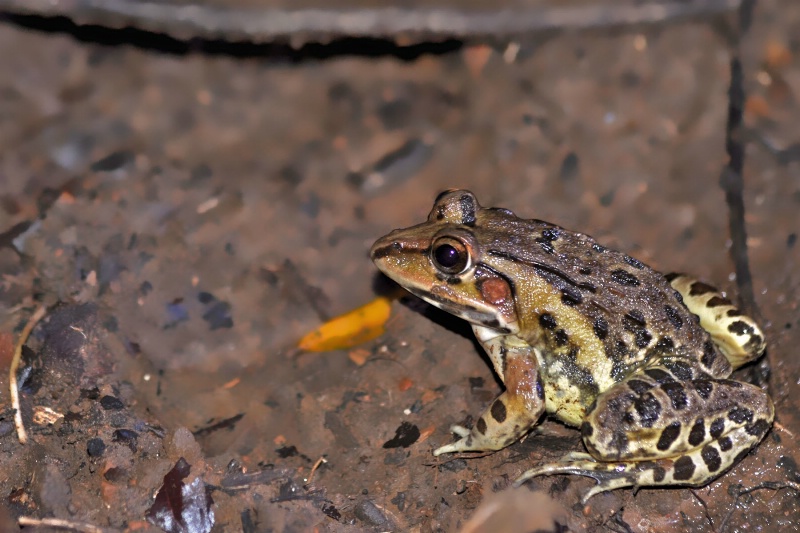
[546, 246]
[703, 387]
[571, 297]
[717, 427]
[665, 345]
[643, 338]
[467, 210]
[561, 337]
[680, 369]
[550, 234]
[740, 328]
[711, 458]
[699, 288]
[638, 386]
[623, 277]
[648, 408]
[660, 376]
[673, 316]
[668, 436]
[709, 354]
[481, 426]
[758, 429]
[684, 469]
[698, 433]
[601, 328]
[740, 415]
[716, 301]
[755, 341]
[635, 263]
[498, 411]
[547, 321]
[634, 319]
[676, 394]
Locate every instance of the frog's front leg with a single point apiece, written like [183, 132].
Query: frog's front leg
[652, 429]
[515, 411]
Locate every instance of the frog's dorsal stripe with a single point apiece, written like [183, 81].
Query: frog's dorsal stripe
[543, 268]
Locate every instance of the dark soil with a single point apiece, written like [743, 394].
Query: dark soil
[187, 216]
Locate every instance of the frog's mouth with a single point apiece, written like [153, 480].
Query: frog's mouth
[465, 311]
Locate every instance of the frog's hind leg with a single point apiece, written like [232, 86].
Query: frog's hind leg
[512, 414]
[736, 335]
[652, 429]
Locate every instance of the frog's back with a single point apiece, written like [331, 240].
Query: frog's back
[597, 313]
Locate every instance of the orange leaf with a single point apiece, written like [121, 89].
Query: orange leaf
[350, 329]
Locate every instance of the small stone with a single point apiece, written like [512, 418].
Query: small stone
[95, 447]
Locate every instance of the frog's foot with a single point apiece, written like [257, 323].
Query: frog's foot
[505, 421]
[609, 476]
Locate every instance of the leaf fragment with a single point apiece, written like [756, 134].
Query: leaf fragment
[349, 329]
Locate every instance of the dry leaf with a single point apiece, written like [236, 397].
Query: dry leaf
[350, 329]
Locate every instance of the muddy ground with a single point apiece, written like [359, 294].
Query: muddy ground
[187, 215]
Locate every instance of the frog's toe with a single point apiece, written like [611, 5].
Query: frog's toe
[572, 457]
[609, 476]
[448, 448]
[578, 463]
[461, 431]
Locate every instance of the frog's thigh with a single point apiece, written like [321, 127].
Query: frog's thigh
[653, 430]
[737, 335]
[511, 415]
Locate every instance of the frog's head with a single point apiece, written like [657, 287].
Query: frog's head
[440, 261]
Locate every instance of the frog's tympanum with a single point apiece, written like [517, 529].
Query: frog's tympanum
[639, 361]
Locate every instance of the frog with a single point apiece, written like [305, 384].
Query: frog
[640, 362]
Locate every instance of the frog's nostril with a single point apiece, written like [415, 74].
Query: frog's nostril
[380, 250]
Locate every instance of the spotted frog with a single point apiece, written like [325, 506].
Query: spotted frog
[639, 361]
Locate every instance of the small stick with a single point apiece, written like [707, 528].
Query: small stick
[12, 373]
[59, 523]
[187, 20]
[314, 469]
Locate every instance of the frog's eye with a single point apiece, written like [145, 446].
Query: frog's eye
[450, 255]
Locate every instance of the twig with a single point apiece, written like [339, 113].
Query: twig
[186, 21]
[705, 508]
[314, 469]
[732, 179]
[62, 524]
[12, 373]
[767, 485]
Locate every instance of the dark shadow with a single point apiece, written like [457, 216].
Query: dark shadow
[274, 52]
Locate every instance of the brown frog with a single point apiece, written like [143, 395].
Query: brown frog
[637, 360]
